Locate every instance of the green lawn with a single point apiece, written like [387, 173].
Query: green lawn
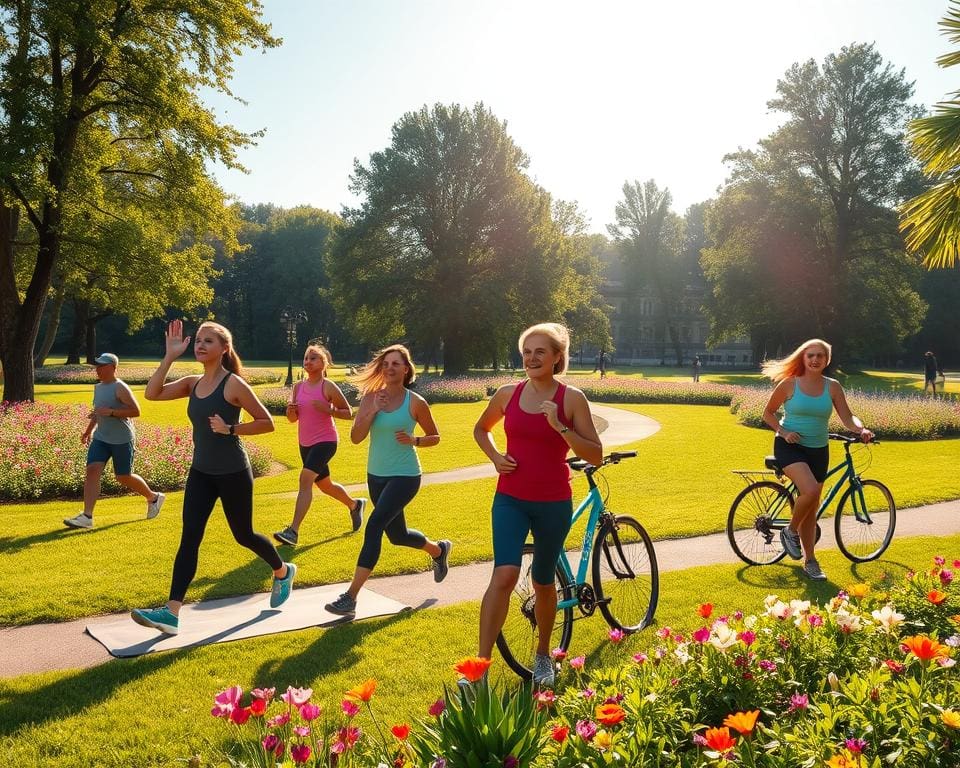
[154, 710]
[680, 485]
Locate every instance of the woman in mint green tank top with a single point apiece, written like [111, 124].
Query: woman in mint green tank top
[389, 415]
[808, 399]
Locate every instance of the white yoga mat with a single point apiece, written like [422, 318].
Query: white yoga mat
[236, 618]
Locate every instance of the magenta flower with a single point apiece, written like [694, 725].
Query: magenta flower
[738, 615]
[856, 745]
[588, 693]
[282, 719]
[263, 693]
[699, 740]
[616, 635]
[946, 576]
[747, 637]
[664, 632]
[297, 696]
[226, 701]
[640, 658]
[577, 662]
[302, 731]
[437, 707]
[510, 762]
[558, 654]
[815, 620]
[766, 665]
[586, 730]
[350, 707]
[799, 701]
[939, 560]
[300, 753]
[309, 712]
[701, 635]
[270, 742]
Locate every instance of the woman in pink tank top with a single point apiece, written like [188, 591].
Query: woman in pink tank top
[313, 405]
[543, 420]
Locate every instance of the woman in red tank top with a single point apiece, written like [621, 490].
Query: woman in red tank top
[543, 420]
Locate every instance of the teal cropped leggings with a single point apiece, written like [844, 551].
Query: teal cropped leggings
[513, 519]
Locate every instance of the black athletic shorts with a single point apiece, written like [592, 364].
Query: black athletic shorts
[818, 459]
[317, 457]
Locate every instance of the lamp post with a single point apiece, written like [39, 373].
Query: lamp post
[289, 318]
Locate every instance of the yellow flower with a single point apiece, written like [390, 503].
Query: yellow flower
[859, 590]
[603, 740]
[951, 718]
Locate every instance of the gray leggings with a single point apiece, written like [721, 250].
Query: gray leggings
[389, 496]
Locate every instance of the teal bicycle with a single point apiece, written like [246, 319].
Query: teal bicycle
[864, 520]
[625, 582]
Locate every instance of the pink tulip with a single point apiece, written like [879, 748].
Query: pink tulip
[297, 696]
[309, 712]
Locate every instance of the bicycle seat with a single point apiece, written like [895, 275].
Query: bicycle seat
[770, 462]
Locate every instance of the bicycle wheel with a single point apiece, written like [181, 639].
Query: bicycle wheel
[756, 517]
[517, 641]
[863, 537]
[625, 575]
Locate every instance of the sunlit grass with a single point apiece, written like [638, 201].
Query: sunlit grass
[154, 710]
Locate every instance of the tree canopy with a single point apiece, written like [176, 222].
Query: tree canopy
[453, 248]
[805, 239]
[103, 148]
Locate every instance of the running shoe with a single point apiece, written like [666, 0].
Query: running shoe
[287, 536]
[356, 514]
[813, 572]
[791, 542]
[343, 606]
[80, 521]
[282, 587]
[153, 507]
[157, 618]
[440, 562]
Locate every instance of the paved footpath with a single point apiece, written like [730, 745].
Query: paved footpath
[45, 647]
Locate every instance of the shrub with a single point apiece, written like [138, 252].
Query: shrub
[138, 374]
[41, 455]
[908, 417]
[616, 389]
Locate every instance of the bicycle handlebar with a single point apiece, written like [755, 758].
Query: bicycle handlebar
[613, 458]
[849, 439]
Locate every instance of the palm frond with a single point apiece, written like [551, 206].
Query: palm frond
[931, 223]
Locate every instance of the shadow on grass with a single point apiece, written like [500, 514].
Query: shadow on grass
[73, 695]
[11, 544]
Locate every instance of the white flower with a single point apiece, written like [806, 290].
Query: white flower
[848, 622]
[778, 610]
[723, 637]
[681, 653]
[750, 621]
[799, 607]
[887, 618]
[953, 641]
[833, 681]
[770, 600]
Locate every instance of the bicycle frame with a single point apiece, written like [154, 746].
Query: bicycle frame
[850, 476]
[594, 503]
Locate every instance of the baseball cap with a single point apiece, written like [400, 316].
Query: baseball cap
[107, 358]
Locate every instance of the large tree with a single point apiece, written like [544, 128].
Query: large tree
[89, 89]
[931, 220]
[805, 236]
[650, 240]
[453, 246]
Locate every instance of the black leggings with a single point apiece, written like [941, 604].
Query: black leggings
[235, 492]
[389, 495]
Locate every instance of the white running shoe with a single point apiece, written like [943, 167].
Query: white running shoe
[153, 507]
[80, 521]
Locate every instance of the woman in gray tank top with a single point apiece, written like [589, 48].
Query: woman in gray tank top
[220, 468]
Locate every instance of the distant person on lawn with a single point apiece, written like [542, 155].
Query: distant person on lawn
[314, 404]
[930, 371]
[389, 414]
[220, 467]
[110, 435]
[697, 365]
[802, 445]
[543, 420]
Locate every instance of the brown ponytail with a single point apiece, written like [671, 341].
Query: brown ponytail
[231, 360]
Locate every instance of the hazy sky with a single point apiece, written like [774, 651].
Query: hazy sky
[595, 94]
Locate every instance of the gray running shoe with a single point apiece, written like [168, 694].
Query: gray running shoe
[812, 570]
[440, 563]
[543, 671]
[287, 536]
[79, 521]
[356, 514]
[791, 542]
[153, 507]
[343, 606]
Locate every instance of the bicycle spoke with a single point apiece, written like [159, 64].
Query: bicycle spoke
[865, 520]
[757, 516]
[625, 575]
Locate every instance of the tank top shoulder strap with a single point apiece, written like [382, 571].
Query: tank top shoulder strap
[558, 395]
[515, 396]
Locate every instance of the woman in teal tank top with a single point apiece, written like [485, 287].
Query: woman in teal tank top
[389, 413]
[808, 399]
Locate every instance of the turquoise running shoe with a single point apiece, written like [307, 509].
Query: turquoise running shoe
[282, 587]
[157, 618]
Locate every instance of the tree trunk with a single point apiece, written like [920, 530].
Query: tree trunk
[91, 339]
[81, 312]
[53, 325]
[454, 359]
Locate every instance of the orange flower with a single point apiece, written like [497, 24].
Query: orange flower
[472, 667]
[705, 609]
[858, 590]
[936, 597]
[364, 691]
[610, 714]
[845, 760]
[743, 722]
[719, 739]
[401, 731]
[951, 718]
[924, 648]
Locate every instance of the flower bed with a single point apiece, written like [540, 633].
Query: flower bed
[616, 389]
[867, 680]
[275, 399]
[41, 456]
[138, 374]
[910, 417]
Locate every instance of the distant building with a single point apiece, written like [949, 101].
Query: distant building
[641, 337]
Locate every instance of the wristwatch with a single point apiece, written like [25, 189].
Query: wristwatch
[232, 428]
